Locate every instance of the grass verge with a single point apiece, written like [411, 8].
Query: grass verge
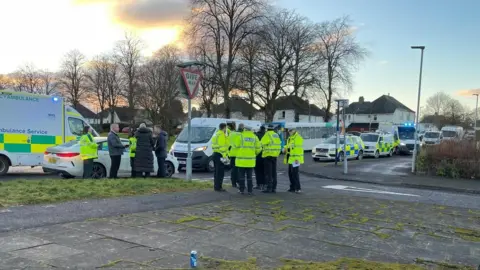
[22, 192]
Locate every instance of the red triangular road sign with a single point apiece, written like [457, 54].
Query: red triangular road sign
[192, 79]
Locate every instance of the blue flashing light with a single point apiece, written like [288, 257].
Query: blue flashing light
[55, 99]
[409, 124]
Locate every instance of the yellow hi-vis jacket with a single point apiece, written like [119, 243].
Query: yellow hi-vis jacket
[220, 143]
[294, 149]
[133, 146]
[231, 140]
[271, 144]
[88, 147]
[248, 147]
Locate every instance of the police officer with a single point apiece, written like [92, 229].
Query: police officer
[220, 153]
[259, 165]
[231, 133]
[133, 148]
[249, 147]
[294, 157]
[271, 147]
[88, 152]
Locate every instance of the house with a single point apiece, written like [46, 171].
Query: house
[364, 115]
[91, 117]
[122, 115]
[239, 109]
[295, 109]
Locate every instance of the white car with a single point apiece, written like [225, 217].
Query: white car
[326, 150]
[65, 160]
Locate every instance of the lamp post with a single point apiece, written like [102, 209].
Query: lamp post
[476, 112]
[421, 48]
[188, 172]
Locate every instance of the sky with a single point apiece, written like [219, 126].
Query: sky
[42, 33]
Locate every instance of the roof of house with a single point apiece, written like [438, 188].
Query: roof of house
[123, 113]
[237, 104]
[85, 112]
[381, 105]
[299, 105]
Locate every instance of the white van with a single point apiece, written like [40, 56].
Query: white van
[432, 137]
[202, 130]
[29, 124]
[452, 133]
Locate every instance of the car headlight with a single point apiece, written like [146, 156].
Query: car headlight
[314, 150]
[331, 150]
[402, 144]
[203, 148]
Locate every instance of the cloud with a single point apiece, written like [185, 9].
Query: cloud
[468, 92]
[146, 13]
[383, 62]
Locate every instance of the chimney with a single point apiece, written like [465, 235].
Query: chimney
[361, 99]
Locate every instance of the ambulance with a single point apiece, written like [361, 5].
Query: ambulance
[29, 124]
[202, 132]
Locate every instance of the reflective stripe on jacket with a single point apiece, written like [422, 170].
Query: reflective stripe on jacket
[248, 146]
[271, 144]
[294, 148]
[220, 143]
[133, 146]
[88, 148]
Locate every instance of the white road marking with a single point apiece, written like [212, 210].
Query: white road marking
[5, 211]
[347, 188]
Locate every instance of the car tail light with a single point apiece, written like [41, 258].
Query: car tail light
[67, 155]
[46, 153]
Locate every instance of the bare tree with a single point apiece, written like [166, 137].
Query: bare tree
[128, 55]
[158, 84]
[72, 77]
[225, 24]
[97, 83]
[5, 82]
[275, 62]
[339, 54]
[113, 82]
[438, 104]
[26, 79]
[48, 82]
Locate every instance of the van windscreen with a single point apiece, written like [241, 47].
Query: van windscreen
[199, 134]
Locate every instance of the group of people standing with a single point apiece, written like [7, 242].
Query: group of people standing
[248, 151]
[141, 147]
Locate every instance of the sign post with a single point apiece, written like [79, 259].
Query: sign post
[189, 83]
[343, 103]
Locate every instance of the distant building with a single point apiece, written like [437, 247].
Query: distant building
[295, 109]
[91, 117]
[122, 115]
[365, 115]
[239, 109]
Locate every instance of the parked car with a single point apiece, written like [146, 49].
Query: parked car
[326, 149]
[65, 160]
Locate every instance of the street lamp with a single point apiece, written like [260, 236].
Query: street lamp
[476, 112]
[422, 48]
[188, 172]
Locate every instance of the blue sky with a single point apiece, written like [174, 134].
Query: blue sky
[449, 29]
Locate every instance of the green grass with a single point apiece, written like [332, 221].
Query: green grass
[22, 192]
[171, 139]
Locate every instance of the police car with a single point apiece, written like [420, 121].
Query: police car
[326, 150]
[377, 144]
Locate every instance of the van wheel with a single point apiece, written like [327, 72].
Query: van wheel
[210, 167]
[360, 155]
[377, 154]
[397, 151]
[390, 154]
[169, 169]
[4, 165]
[341, 156]
[99, 171]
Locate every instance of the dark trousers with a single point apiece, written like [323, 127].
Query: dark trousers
[293, 175]
[242, 173]
[161, 167]
[260, 171]
[219, 171]
[87, 168]
[115, 166]
[270, 165]
[233, 172]
[132, 166]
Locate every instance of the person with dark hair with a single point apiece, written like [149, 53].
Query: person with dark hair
[259, 165]
[133, 149]
[220, 153]
[88, 152]
[161, 150]
[249, 147]
[144, 153]
[294, 158]
[272, 146]
[115, 150]
[231, 153]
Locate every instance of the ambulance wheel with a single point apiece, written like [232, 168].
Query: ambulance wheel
[210, 167]
[397, 151]
[377, 154]
[360, 155]
[98, 171]
[4, 165]
[390, 154]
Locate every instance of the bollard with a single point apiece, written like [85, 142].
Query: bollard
[193, 259]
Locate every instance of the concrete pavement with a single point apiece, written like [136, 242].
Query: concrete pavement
[261, 231]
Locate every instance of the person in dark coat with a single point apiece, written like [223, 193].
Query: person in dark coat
[144, 153]
[161, 151]
[259, 165]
